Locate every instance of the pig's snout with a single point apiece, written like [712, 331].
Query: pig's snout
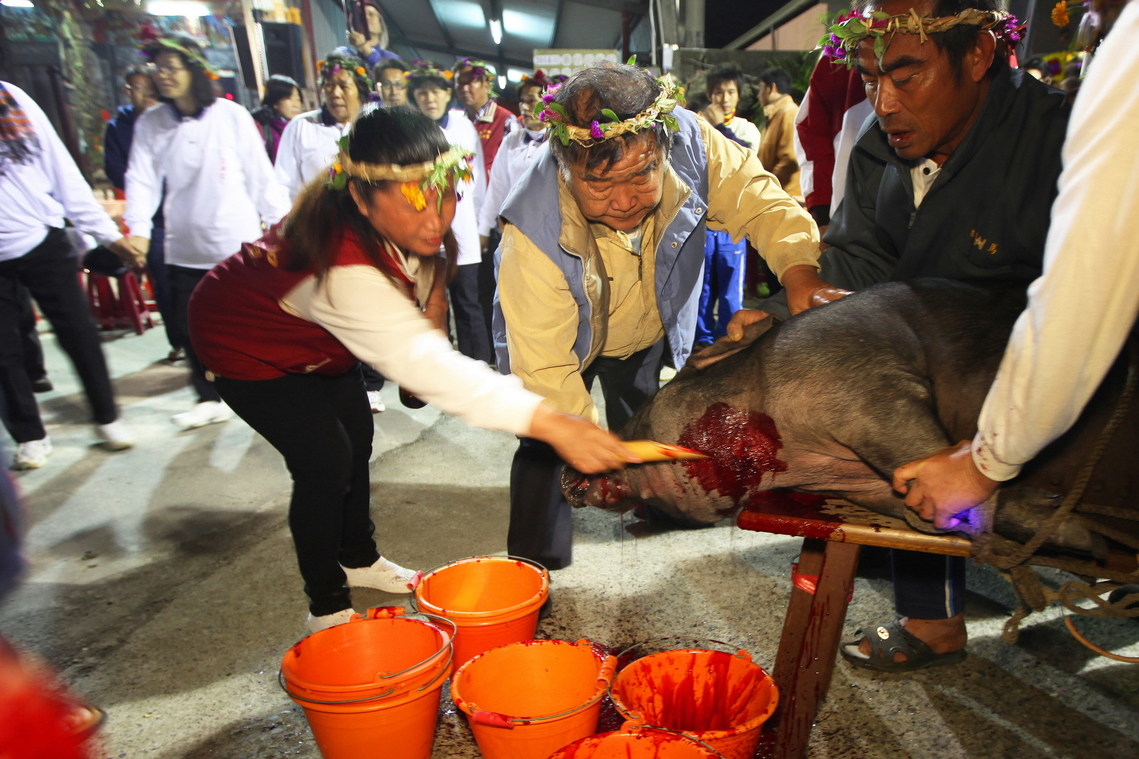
[604, 491]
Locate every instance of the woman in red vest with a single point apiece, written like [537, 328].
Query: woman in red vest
[353, 275]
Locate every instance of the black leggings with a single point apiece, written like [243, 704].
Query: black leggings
[50, 273]
[323, 427]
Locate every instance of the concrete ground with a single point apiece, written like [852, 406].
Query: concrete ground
[162, 586]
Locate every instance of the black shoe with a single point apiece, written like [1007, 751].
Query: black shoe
[42, 385]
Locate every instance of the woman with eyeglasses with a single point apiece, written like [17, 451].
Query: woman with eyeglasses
[207, 154]
[281, 324]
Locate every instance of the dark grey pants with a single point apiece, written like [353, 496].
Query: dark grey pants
[540, 526]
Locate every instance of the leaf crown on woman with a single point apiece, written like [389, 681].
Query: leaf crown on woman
[325, 211]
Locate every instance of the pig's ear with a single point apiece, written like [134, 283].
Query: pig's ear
[724, 347]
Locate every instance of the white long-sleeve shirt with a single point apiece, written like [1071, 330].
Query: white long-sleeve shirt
[519, 149]
[1082, 307]
[362, 309]
[460, 131]
[219, 183]
[306, 150]
[39, 194]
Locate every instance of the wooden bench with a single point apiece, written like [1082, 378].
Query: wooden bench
[822, 585]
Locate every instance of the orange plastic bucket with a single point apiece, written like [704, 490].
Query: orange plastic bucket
[638, 743]
[373, 682]
[494, 600]
[527, 700]
[717, 697]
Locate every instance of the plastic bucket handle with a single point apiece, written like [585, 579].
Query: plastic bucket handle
[733, 649]
[636, 726]
[444, 672]
[494, 719]
[388, 612]
[419, 577]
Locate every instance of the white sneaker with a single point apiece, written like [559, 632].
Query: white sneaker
[375, 402]
[383, 575]
[316, 624]
[32, 454]
[206, 412]
[116, 436]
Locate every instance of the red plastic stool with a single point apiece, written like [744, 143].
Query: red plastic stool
[118, 306]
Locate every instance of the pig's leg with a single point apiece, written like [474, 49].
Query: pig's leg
[890, 422]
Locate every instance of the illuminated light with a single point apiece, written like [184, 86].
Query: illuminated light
[187, 8]
[464, 13]
[501, 81]
[17, 3]
[496, 31]
[514, 75]
[528, 25]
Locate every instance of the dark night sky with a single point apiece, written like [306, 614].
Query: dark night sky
[725, 20]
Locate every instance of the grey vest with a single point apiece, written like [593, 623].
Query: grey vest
[532, 206]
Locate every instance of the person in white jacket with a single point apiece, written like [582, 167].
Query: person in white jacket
[519, 149]
[430, 90]
[310, 141]
[40, 186]
[208, 155]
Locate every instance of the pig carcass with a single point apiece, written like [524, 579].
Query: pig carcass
[833, 400]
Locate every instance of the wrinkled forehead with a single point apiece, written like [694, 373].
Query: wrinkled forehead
[902, 50]
[340, 77]
[641, 157]
[467, 75]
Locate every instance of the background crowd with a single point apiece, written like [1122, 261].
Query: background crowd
[976, 144]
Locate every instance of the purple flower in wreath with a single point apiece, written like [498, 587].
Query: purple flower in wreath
[595, 131]
[1012, 30]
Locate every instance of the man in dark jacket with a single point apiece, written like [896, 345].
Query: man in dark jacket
[955, 178]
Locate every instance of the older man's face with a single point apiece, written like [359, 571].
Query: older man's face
[622, 194]
[923, 106]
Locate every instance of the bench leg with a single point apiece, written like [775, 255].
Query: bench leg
[812, 631]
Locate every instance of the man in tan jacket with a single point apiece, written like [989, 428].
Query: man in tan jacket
[602, 263]
[777, 149]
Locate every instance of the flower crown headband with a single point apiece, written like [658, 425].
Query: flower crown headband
[479, 70]
[329, 68]
[849, 30]
[152, 46]
[427, 70]
[539, 78]
[448, 168]
[556, 119]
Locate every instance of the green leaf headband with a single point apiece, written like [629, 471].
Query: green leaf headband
[152, 47]
[843, 37]
[447, 169]
[556, 119]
